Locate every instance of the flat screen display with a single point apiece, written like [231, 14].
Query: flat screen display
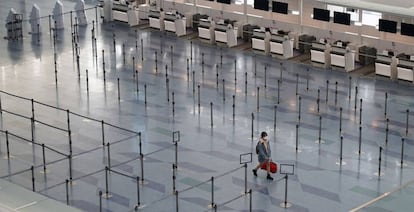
[342, 18]
[321, 14]
[261, 5]
[387, 26]
[280, 7]
[407, 29]
[224, 1]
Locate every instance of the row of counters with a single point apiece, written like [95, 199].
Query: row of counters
[337, 54]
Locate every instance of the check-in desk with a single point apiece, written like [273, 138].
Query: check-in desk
[281, 44]
[119, 10]
[225, 33]
[384, 65]
[156, 19]
[320, 53]
[206, 30]
[405, 67]
[261, 41]
[174, 23]
[342, 56]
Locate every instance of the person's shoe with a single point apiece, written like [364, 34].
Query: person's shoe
[254, 172]
[269, 177]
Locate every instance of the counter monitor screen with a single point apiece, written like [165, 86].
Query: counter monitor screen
[407, 29]
[387, 26]
[280, 7]
[342, 18]
[261, 5]
[321, 14]
[224, 1]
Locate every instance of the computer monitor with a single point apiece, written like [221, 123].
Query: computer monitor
[407, 29]
[280, 7]
[321, 14]
[342, 18]
[261, 5]
[224, 1]
[387, 26]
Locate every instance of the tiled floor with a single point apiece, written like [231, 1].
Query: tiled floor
[318, 184]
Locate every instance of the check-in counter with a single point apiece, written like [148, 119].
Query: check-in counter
[320, 53]
[156, 19]
[226, 33]
[342, 56]
[405, 67]
[119, 11]
[384, 65]
[174, 22]
[261, 40]
[281, 44]
[206, 30]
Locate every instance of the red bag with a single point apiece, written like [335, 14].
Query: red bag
[273, 167]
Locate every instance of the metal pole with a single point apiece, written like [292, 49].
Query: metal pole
[202, 62]
[349, 87]
[235, 71]
[360, 140]
[340, 150]
[300, 108]
[379, 161]
[360, 111]
[138, 193]
[100, 201]
[211, 114]
[356, 97]
[172, 58]
[255, 65]
[145, 94]
[142, 165]
[193, 82]
[297, 137]
[212, 193]
[281, 72]
[142, 50]
[137, 81]
[257, 98]
[245, 83]
[109, 154]
[103, 132]
[402, 152]
[250, 200]
[176, 201]
[265, 76]
[327, 91]
[307, 79]
[44, 158]
[340, 120]
[252, 125]
[67, 191]
[224, 91]
[188, 69]
[286, 190]
[320, 129]
[106, 182]
[198, 98]
[318, 100]
[191, 50]
[168, 89]
[70, 167]
[336, 92]
[173, 104]
[156, 63]
[234, 107]
[173, 177]
[221, 56]
[166, 71]
[123, 52]
[385, 108]
[7, 145]
[87, 80]
[33, 179]
[245, 178]
[217, 75]
[386, 131]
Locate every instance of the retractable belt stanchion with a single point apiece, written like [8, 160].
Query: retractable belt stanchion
[360, 111]
[278, 91]
[386, 130]
[142, 50]
[265, 76]
[402, 153]
[250, 200]
[297, 138]
[100, 201]
[281, 72]
[87, 81]
[299, 108]
[336, 92]
[7, 145]
[44, 159]
[340, 120]
[212, 204]
[211, 114]
[385, 105]
[138, 194]
[217, 75]
[297, 84]
[320, 130]
[173, 104]
[145, 94]
[285, 204]
[255, 65]
[107, 195]
[245, 83]
[67, 191]
[172, 57]
[252, 126]
[156, 63]
[108, 155]
[307, 79]
[188, 69]
[176, 201]
[137, 81]
[193, 76]
[167, 81]
[33, 179]
[191, 51]
[202, 62]
[356, 97]
[123, 53]
[235, 71]
[349, 87]
[318, 100]
[257, 99]
[224, 91]
[327, 91]
[234, 107]
[406, 123]
[221, 56]
[360, 140]
[198, 98]
[275, 117]
[379, 163]
[119, 90]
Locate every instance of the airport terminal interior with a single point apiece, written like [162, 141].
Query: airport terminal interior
[158, 105]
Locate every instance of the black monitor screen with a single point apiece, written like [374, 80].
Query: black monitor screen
[342, 18]
[407, 29]
[280, 7]
[387, 26]
[321, 14]
[261, 5]
[224, 1]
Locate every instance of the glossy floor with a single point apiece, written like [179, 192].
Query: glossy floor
[199, 104]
